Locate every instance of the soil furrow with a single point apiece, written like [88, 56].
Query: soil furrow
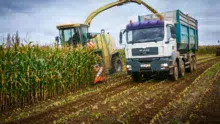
[48, 116]
[146, 114]
[105, 109]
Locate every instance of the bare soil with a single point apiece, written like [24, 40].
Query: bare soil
[209, 110]
[127, 101]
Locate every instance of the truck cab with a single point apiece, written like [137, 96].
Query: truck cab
[150, 39]
[152, 46]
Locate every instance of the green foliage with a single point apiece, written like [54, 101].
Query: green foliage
[33, 73]
[122, 55]
[207, 49]
[202, 50]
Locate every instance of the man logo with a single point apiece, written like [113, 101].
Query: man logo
[144, 51]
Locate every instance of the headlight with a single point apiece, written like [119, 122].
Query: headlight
[164, 65]
[129, 67]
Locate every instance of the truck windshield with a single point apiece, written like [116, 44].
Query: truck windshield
[145, 35]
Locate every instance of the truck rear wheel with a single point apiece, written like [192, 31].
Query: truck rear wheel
[136, 76]
[175, 74]
[190, 69]
[116, 65]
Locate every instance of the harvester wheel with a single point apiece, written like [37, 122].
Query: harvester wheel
[116, 64]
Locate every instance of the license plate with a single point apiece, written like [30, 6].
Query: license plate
[145, 65]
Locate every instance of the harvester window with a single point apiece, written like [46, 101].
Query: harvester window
[67, 34]
[84, 31]
[76, 38]
[70, 36]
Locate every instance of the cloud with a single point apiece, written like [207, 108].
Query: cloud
[40, 17]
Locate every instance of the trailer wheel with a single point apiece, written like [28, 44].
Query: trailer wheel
[116, 64]
[136, 76]
[175, 74]
[194, 63]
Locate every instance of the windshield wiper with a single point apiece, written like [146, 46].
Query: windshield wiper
[132, 42]
[155, 41]
[148, 41]
[143, 41]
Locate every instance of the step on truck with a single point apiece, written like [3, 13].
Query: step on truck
[161, 45]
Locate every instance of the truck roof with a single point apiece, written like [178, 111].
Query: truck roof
[145, 24]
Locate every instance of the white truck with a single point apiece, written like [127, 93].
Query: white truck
[165, 45]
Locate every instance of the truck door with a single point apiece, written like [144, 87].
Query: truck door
[170, 40]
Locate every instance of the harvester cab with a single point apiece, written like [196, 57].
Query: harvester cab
[77, 34]
[73, 34]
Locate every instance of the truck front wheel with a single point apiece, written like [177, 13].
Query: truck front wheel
[182, 69]
[136, 76]
[147, 76]
[175, 74]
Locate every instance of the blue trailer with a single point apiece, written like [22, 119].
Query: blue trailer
[156, 45]
[186, 29]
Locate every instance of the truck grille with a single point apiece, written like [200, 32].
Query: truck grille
[145, 51]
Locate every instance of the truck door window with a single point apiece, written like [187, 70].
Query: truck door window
[168, 32]
[171, 31]
[129, 38]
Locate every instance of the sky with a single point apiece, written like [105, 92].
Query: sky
[36, 20]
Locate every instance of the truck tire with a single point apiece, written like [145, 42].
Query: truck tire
[182, 69]
[136, 76]
[116, 64]
[194, 63]
[175, 74]
[147, 76]
[191, 64]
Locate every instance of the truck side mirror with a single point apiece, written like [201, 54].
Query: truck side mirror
[120, 37]
[173, 32]
[57, 39]
[173, 35]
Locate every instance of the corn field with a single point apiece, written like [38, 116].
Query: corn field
[207, 49]
[29, 74]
